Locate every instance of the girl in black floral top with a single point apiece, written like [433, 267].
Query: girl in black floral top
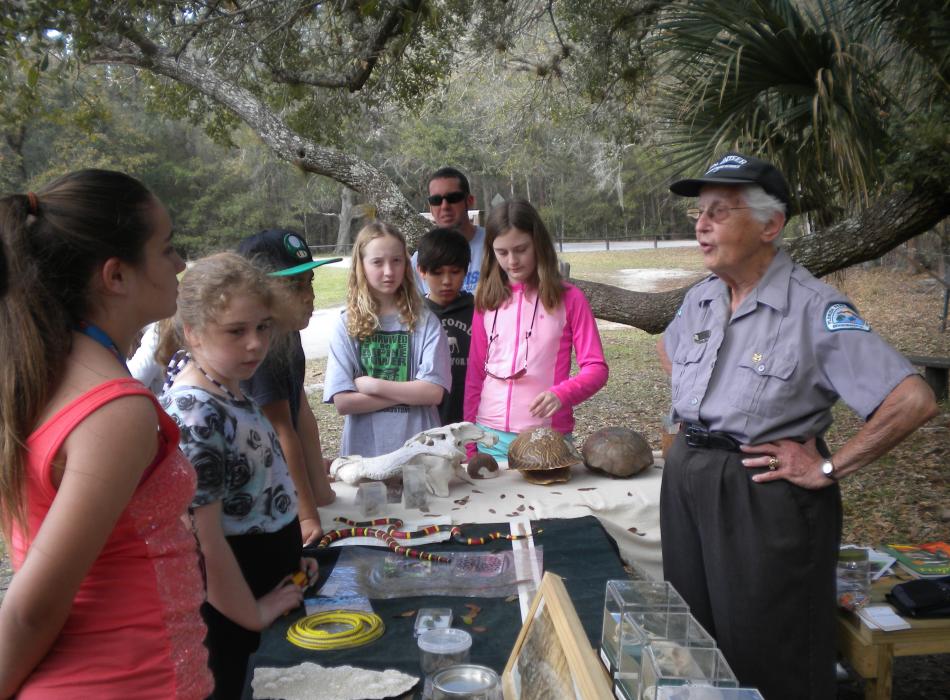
[245, 507]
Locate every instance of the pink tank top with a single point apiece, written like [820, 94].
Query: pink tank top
[134, 630]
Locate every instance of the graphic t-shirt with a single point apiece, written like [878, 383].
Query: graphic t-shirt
[385, 355]
[238, 458]
[394, 353]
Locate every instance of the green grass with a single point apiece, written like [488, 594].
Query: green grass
[329, 286]
[601, 262]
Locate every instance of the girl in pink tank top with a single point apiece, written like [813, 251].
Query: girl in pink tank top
[105, 595]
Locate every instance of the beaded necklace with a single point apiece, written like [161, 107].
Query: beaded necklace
[174, 368]
[178, 362]
[222, 387]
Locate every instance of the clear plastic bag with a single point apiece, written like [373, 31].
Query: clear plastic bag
[468, 574]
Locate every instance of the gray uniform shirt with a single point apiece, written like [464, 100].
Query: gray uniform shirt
[775, 368]
[395, 354]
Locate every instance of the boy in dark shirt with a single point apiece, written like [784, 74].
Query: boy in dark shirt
[278, 384]
[443, 257]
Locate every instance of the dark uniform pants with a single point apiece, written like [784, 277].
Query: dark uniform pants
[756, 564]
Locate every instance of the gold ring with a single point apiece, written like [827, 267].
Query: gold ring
[773, 463]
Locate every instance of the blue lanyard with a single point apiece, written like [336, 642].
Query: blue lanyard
[101, 337]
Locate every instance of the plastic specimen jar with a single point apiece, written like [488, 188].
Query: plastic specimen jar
[441, 648]
[854, 578]
[415, 493]
[371, 497]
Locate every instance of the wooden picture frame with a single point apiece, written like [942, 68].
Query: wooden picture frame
[551, 658]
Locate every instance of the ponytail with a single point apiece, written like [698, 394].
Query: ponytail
[51, 243]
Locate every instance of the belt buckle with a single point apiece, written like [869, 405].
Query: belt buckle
[696, 436]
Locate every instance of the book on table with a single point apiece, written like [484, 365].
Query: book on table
[926, 560]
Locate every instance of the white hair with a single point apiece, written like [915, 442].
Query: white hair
[762, 205]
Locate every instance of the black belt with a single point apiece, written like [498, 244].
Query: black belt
[698, 436]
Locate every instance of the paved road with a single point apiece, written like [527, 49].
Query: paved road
[315, 338]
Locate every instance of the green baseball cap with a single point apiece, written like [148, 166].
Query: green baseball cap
[283, 252]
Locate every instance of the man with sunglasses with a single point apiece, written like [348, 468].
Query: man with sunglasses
[450, 198]
[750, 510]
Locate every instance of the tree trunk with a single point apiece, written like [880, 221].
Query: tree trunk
[648, 311]
[347, 199]
[882, 226]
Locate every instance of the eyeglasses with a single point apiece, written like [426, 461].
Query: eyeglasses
[717, 212]
[300, 283]
[493, 336]
[452, 198]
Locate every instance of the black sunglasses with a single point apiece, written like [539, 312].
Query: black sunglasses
[452, 198]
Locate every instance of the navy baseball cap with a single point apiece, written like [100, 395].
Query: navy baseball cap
[284, 252]
[737, 169]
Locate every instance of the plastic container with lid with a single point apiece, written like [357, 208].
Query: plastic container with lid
[441, 648]
[854, 580]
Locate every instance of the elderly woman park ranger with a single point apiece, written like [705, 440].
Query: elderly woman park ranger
[750, 510]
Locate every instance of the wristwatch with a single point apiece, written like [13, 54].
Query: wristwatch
[828, 469]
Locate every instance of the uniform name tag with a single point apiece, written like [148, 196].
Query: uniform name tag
[843, 317]
[701, 337]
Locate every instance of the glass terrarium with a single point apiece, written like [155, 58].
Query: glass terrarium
[624, 596]
[706, 692]
[672, 664]
[639, 629]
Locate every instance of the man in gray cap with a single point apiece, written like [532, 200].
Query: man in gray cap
[750, 510]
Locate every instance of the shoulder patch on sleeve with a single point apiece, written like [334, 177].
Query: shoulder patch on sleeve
[843, 317]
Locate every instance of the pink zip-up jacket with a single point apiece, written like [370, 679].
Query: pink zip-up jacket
[503, 404]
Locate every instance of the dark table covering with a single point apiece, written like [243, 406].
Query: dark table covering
[577, 549]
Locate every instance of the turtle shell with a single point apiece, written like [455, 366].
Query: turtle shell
[619, 452]
[482, 466]
[542, 450]
[547, 476]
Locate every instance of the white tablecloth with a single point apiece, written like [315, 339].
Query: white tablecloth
[627, 508]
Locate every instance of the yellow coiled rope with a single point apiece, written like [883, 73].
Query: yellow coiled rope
[359, 628]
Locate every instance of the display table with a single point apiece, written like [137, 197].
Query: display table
[577, 549]
[629, 509]
[871, 652]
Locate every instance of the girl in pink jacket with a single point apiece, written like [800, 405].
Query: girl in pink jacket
[526, 322]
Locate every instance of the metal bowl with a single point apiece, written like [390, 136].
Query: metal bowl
[466, 682]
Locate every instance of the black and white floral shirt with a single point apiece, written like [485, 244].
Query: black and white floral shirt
[238, 458]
